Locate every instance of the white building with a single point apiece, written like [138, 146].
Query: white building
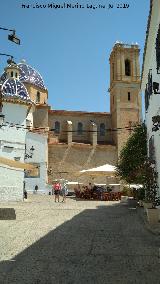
[15, 104]
[151, 83]
[23, 150]
[39, 158]
[36, 138]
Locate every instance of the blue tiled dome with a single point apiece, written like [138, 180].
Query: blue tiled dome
[14, 88]
[27, 74]
[30, 75]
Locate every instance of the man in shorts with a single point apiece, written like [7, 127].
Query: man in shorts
[57, 189]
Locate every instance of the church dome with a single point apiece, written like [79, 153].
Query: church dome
[29, 75]
[12, 88]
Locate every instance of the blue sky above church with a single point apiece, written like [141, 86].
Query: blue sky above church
[70, 47]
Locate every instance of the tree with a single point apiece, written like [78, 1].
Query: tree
[135, 167]
[133, 156]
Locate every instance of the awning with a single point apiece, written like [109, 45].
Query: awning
[15, 164]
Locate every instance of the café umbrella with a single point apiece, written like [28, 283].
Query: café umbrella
[104, 170]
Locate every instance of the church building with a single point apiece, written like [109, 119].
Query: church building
[80, 140]
[75, 140]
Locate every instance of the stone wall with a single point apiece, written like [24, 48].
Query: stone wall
[67, 160]
[125, 99]
[132, 115]
[40, 116]
[32, 90]
[85, 118]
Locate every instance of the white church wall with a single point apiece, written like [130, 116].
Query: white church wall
[39, 158]
[12, 146]
[14, 114]
[29, 119]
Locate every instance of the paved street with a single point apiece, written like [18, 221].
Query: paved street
[77, 242]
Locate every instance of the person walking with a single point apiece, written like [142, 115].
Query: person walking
[57, 189]
[36, 189]
[64, 192]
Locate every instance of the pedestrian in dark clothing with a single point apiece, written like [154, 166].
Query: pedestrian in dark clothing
[36, 188]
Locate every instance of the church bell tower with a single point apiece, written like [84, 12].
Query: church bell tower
[125, 99]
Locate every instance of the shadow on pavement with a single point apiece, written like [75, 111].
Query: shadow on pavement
[104, 245]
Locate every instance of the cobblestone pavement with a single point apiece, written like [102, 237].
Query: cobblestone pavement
[77, 242]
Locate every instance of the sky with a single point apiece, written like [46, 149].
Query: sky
[70, 47]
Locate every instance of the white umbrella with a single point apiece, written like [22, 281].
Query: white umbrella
[74, 182]
[106, 170]
[100, 184]
[135, 186]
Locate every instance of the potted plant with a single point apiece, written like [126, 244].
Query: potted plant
[124, 194]
[140, 195]
[150, 187]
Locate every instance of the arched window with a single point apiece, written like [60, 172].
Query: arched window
[102, 129]
[80, 128]
[11, 73]
[57, 127]
[16, 75]
[127, 67]
[38, 97]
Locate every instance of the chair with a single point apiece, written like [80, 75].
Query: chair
[106, 196]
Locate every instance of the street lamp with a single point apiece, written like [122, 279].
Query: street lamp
[156, 88]
[8, 55]
[156, 123]
[29, 154]
[12, 37]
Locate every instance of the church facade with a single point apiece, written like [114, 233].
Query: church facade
[79, 140]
